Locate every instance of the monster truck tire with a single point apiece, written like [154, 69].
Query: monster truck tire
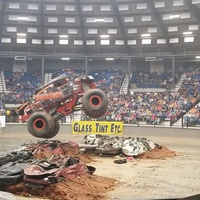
[54, 132]
[95, 103]
[41, 124]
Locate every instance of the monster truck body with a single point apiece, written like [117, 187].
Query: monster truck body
[59, 98]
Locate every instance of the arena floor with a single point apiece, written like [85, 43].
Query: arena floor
[175, 177]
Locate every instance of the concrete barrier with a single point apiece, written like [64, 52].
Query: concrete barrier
[131, 130]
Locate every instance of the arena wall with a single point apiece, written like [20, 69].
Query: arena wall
[131, 130]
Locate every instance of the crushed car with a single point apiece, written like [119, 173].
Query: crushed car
[57, 169]
[113, 145]
[12, 166]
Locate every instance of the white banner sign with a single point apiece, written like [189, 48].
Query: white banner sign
[2, 121]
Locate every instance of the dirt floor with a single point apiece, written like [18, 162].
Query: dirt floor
[158, 175]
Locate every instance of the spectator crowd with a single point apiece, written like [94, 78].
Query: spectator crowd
[154, 107]
[153, 79]
[147, 107]
[20, 86]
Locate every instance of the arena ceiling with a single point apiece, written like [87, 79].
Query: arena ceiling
[100, 28]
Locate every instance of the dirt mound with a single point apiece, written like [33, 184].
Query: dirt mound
[158, 153]
[86, 187]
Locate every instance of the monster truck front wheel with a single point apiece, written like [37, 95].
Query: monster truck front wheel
[41, 124]
[95, 103]
[54, 131]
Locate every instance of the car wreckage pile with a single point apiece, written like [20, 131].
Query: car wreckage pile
[51, 162]
[43, 163]
[126, 146]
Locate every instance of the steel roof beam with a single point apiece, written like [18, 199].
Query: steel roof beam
[194, 10]
[42, 26]
[2, 17]
[161, 25]
[82, 26]
[121, 25]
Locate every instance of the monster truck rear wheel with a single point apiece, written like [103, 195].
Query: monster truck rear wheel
[95, 103]
[41, 124]
[54, 132]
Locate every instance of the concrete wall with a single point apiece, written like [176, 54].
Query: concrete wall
[36, 64]
[157, 66]
[6, 64]
[114, 65]
[130, 130]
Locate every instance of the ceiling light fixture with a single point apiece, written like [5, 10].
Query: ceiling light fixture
[146, 35]
[175, 16]
[21, 34]
[99, 20]
[63, 36]
[104, 36]
[109, 59]
[22, 18]
[65, 58]
[187, 33]
[197, 57]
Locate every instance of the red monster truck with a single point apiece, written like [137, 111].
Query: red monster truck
[59, 98]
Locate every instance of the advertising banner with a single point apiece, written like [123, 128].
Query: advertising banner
[97, 127]
[2, 121]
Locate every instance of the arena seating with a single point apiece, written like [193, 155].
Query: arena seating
[150, 108]
[20, 86]
[108, 80]
[71, 73]
[153, 79]
[155, 108]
